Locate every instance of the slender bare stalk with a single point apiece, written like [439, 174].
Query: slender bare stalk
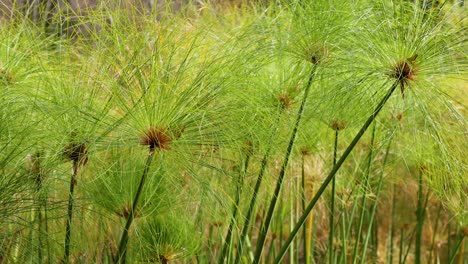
[253, 199]
[364, 198]
[307, 230]
[420, 221]
[374, 206]
[335, 169]
[332, 203]
[240, 183]
[266, 225]
[436, 225]
[402, 239]
[78, 154]
[456, 249]
[71, 199]
[462, 253]
[122, 252]
[392, 227]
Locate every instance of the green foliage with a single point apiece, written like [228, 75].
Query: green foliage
[217, 93]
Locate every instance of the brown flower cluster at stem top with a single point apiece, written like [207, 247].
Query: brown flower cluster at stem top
[76, 152]
[248, 148]
[6, 77]
[338, 125]
[156, 138]
[404, 71]
[317, 54]
[285, 101]
[465, 231]
[34, 166]
[305, 151]
[125, 211]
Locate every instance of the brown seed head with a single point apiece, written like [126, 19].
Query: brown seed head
[315, 59]
[465, 231]
[163, 259]
[178, 131]
[404, 71]
[338, 125]
[34, 163]
[399, 116]
[248, 148]
[170, 254]
[423, 167]
[217, 224]
[285, 101]
[317, 54]
[76, 152]
[6, 77]
[305, 151]
[156, 138]
[125, 211]
[34, 166]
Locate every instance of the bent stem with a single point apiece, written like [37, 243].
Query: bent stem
[333, 172]
[122, 253]
[264, 228]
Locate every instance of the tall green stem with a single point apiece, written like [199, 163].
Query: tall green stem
[434, 232]
[409, 245]
[333, 172]
[264, 228]
[39, 235]
[420, 221]
[402, 240]
[253, 199]
[374, 207]
[332, 205]
[46, 226]
[449, 239]
[303, 203]
[70, 211]
[121, 254]
[240, 183]
[455, 250]
[364, 199]
[40, 203]
[346, 225]
[392, 227]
